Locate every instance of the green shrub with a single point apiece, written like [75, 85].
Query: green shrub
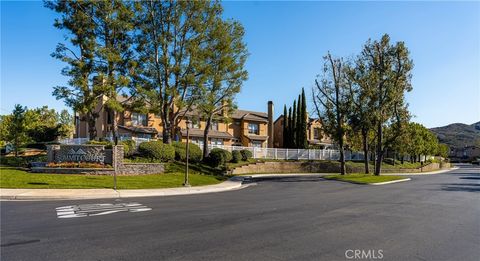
[156, 150]
[236, 156]
[195, 153]
[218, 157]
[129, 147]
[246, 155]
[22, 161]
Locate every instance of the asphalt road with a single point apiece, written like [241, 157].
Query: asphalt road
[434, 217]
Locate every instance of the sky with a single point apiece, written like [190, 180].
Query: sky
[286, 42]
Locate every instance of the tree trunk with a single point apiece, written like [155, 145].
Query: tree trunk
[365, 150]
[205, 137]
[115, 127]
[92, 130]
[166, 134]
[378, 164]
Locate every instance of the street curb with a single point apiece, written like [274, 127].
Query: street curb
[421, 173]
[29, 194]
[389, 182]
[374, 184]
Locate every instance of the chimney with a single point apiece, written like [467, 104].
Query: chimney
[270, 124]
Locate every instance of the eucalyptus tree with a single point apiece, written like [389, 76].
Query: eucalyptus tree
[170, 41]
[225, 56]
[331, 100]
[389, 75]
[360, 114]
[80, 94]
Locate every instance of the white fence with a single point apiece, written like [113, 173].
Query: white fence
[293, 154]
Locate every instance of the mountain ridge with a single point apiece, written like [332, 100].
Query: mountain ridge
[458, 135]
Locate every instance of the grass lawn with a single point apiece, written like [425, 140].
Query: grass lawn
[14, 178]
[363, 178]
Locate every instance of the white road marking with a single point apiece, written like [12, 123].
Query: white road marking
[87, 210]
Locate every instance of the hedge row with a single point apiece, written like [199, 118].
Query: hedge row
[219, 157]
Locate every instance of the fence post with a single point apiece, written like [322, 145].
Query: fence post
[329, 154]
[286, 154]
[298, 154]
[275, 153]
[254, 154]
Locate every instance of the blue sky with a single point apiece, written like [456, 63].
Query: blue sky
[287, 41]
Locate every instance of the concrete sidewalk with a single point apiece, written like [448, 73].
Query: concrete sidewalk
[68, 194]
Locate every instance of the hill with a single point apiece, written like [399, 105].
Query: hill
[458, 135]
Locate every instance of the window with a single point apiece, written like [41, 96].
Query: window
[139, 119]
[253, 128]
[198, 141]
[214, 125]
[194, 125]
[316, 133]
[257, 144]
[214, 141]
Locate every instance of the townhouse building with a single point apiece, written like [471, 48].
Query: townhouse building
[241, 128]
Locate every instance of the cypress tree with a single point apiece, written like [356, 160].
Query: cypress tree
[293, 133]
[285, 125]
[289, 129]
[303, 140]
[298, 132]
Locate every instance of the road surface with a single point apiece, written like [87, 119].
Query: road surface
[434, 217]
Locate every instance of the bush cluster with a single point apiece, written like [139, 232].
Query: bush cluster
[219, 157]
[129, 147]
[236, 156]
[246, 155]
[194, 155]
[157, 150]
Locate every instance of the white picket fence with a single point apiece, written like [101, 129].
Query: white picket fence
[293, 154]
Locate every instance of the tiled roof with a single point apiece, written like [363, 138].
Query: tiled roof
[211, 134]
[147, 130]
[237, 115]
[257, 137]
[250, 115]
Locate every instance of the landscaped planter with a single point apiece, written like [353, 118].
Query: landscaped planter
[97, 155]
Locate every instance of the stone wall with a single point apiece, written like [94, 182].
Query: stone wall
[291, 167]
[113, 157]
[318, 167]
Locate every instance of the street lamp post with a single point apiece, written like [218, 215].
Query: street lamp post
[185, 183]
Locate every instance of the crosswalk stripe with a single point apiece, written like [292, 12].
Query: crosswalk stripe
[86, 210]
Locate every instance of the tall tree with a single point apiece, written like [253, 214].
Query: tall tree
[17, 129]
[331, 99]
[81, 94]
[389, 69]
[303, 141]
[225, 57]
[170, 41]
[298, 124]
[113, 30]
[293, 133]
[285, 126]
[360, 114]
[290, 128]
